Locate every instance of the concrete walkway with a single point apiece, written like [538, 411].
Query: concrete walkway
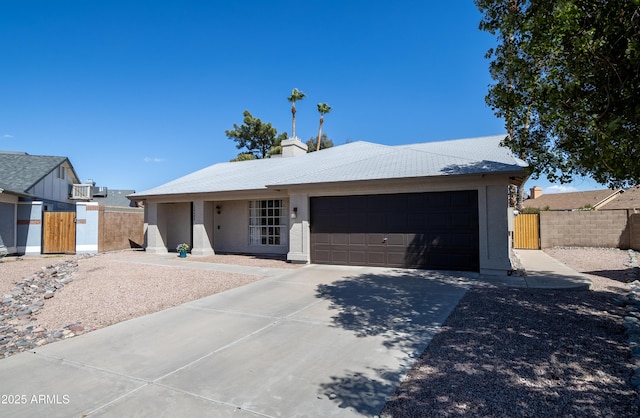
[319, 341]
[545, 272]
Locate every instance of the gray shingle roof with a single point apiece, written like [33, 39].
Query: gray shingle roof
[20, 171]
[357, 161]
[115, 197]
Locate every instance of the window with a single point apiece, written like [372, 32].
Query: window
[266, 222]
[61, 171]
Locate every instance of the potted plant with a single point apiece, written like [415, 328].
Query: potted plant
[182, 249]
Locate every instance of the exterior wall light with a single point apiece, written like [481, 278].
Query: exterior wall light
[294, 213]
[218, 209]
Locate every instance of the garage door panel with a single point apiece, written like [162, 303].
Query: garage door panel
[461, 220]
[465, 241]
[321, 238]
[396, 240]
[375, 240]
[357, 258]
[339, 239]
[376, 221]
[436, 230]
[416, 221]
[339, 257]
[356, 223]
[438, 201]
[376, 259]
[417, 201]
[396, 259]
[322, 256]
[357, 239]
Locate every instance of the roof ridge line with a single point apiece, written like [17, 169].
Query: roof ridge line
[390, 150]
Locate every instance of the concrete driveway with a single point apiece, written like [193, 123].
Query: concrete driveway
[316, 341]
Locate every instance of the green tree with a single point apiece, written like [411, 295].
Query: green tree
[323, 109]
[244, 156]
[257, 137]
[324, 142]
[296, 95]
[277, 148]
[567, 83]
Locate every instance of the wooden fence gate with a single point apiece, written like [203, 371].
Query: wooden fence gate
[527, 231]
[59, 233]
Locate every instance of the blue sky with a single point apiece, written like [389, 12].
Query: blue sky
[138, 93]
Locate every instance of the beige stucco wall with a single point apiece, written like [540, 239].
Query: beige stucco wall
[231, 225]
[231, 230]
[169, 221]
[178, 224]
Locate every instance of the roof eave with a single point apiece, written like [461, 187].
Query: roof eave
[516, 177]
[19, 194]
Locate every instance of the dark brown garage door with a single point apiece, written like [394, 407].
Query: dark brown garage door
[436, 230]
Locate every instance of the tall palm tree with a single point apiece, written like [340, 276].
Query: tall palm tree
[323, 108]
[295, 96]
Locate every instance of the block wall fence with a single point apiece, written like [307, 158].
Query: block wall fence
[606, 228]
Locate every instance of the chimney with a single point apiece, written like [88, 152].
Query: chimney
[535, 192]
[293, 147]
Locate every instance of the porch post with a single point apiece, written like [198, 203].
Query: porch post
[299, 236]
[202, 228]
[154, 242]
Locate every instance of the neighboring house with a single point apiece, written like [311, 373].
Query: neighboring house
[113, 197]
[589, 200]
[27, 178]
[437, 205]
[629, 199]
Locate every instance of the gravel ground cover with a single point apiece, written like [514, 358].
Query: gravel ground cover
[501, 353]
[105, 289]
[530, 353]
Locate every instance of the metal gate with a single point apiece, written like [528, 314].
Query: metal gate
[527, 231]
[59, 233]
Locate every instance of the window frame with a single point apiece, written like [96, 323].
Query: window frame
[267, 223]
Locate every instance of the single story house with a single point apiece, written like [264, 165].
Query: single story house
[629, 200]
[606, 199]
[437, 205]
[587, 200]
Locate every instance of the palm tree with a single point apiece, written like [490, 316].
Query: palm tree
[323, 108]
[295, 96]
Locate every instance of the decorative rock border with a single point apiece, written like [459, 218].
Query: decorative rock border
[19, 308]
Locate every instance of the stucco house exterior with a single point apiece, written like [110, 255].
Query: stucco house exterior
[29, 185]
[439, 205]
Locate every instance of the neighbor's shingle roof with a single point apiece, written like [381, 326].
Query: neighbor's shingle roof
[630, 199]
[115, 197]
[569, 201]
[357, 161]
[19, 172]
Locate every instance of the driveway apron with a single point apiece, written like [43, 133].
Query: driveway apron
[316, 341]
